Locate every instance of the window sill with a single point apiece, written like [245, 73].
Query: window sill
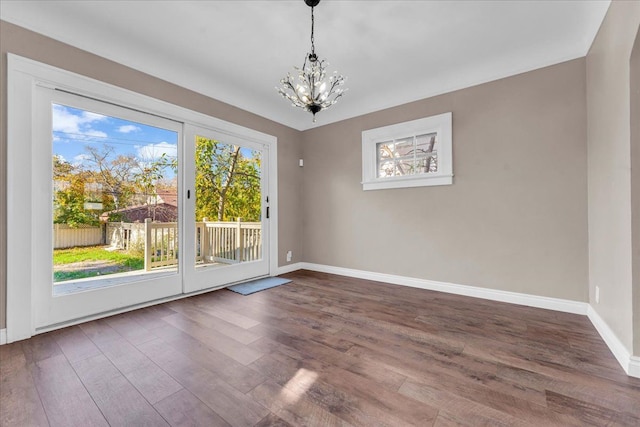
[407, 182]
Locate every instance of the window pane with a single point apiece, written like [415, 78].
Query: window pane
[404, 148]
[385, 154]
[426, 153]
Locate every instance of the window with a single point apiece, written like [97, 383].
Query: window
[410, 154]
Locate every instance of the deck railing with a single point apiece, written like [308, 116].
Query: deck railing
[228, 242]
[216, 242]
[160, 244]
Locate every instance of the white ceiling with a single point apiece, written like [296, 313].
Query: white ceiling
[392, 52]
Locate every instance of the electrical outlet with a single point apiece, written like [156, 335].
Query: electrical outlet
[597, 294]
[289, 256]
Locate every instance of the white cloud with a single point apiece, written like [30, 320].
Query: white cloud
[155, 151]
[76, 126]
[80, 159]
[129, 129]
[95, 133]
[65, 121]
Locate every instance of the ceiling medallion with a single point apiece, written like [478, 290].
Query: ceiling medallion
[312, 90]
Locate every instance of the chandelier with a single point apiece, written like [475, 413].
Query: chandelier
[312, 90]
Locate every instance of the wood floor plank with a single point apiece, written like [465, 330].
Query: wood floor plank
[75, 344]
[99, 331]
[294, 407]
[198, 315]
[183, 409]
[40, 347]
[227, 315]
[352, 408]
[130, 329]
[227, 369]
[120, 403]
[64, 397]
[20, 403]
[215, 339]
[235, 407]
[272, 420]
[154, 383]
[589, 413]
[303, 342]
[457, 410]
[599, 391]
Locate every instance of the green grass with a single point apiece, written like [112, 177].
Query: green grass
[96, 253]
[61, 276]
[123, 261]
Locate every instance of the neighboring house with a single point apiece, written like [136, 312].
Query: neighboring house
[161, 212]
[167, 197]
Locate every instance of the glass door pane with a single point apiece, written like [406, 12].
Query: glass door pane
[228, 203]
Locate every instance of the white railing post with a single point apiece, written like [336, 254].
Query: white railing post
[147, 244]
[239, 240]
[204, 241]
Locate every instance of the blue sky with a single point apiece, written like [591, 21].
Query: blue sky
[74, 129]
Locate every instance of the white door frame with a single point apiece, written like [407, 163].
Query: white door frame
[23, 76]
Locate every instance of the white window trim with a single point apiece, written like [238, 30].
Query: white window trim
[440, 124]
[23, 76]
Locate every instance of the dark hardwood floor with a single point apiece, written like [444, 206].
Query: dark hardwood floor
[323, 350]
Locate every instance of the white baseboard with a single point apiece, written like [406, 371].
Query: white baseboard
[634, 367]
[630, 364]
[556, 304]
[289, 268]
[3, 336]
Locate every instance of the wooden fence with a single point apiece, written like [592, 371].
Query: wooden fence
[65, 236]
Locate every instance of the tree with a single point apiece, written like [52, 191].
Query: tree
[114, 172]
[227, 181]
[149, 176]
[70, 183]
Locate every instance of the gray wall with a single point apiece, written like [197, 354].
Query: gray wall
[25, 43]
[609, 181]
[635, 187]
[515, 218]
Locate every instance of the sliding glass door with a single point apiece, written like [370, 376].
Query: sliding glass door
[108, 224]
[226, 210]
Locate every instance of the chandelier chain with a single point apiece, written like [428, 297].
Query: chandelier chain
[313, 47]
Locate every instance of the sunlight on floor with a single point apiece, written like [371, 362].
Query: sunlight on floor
[298, 385]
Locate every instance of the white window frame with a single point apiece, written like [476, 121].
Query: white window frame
[440, 124]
